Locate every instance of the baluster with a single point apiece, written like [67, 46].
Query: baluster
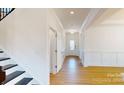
[3, 12]
[0, 13]
[6, 11]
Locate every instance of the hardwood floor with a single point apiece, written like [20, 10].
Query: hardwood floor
[73, 73]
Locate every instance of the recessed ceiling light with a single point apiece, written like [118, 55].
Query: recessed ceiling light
[71, 12]
[72, 31]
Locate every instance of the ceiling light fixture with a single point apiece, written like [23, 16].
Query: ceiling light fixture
[72, 31]
[71, 12]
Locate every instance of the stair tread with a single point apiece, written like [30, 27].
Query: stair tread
[4, 58]
[6, 67]
[1, 51]
[24, 81]
[13, 76]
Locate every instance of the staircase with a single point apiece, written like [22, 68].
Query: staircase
[4, 12]
[14, 74]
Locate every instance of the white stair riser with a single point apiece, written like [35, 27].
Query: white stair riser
[3, 55]
[6, 62]
[11, 70]
[14, 81]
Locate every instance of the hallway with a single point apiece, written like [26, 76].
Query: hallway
[73, 73]
[93, 34]
[70, 73]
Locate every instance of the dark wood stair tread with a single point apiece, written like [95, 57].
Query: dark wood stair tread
[4, 58]
[1, 51]
[6, 67]
[13, 76]
[24, 81]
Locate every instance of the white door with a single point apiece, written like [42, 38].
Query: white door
[53, 51]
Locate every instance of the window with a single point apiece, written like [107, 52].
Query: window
[72, 45]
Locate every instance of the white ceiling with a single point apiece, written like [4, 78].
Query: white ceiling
[74, 21]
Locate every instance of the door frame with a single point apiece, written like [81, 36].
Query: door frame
[55, 32]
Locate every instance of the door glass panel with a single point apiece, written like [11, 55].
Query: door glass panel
[72, 45]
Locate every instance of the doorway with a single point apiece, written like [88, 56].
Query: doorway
[53, 51]
[72, 44]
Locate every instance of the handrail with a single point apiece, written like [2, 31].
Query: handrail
[4, 12]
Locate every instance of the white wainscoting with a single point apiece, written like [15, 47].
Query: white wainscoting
[75, 52]
[115, 59]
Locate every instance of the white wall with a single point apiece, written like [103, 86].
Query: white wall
[104, 42]
[23, 35]
[75, 37]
